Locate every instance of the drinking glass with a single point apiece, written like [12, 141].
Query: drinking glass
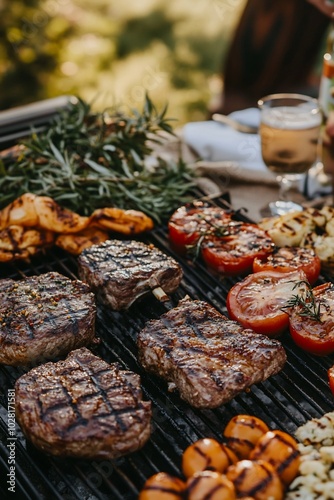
[289, 131]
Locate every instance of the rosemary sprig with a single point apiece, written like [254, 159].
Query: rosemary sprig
[89, 160]
[305, 303]
[194, 249]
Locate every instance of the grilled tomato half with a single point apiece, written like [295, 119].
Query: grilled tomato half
[234, 250]
[256, 302]
[311, 322]
[192, 221]
[288, 259]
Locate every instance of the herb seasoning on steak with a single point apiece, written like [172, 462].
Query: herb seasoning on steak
[206, 356]
[83, 407]
[42, 317]
[121, 271]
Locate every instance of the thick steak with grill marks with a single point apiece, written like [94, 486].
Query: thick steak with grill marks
[42, 317]
[121, 271]
[83, 407]
[206, 356]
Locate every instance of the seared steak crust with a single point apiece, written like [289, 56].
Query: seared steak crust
[121, 271]
[44, 316]
[83, 407]
[206, 356]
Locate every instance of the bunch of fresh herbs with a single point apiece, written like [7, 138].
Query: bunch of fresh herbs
[87, 160]
[304, 302]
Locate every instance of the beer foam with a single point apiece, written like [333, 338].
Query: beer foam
[291, 117]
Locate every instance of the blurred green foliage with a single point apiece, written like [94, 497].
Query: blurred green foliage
[104, 50]
[31, 41]
[139, 32]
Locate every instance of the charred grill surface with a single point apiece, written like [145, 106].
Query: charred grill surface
[121, 271]
[83, 407]
[296, 394]
[207, 357]
[42, 317]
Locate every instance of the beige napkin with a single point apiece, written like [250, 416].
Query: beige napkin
[227, 152]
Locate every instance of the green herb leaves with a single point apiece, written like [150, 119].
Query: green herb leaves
[89, 160]
[304, 302]
[214, 231]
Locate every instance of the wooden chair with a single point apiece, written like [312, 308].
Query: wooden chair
[274, 49]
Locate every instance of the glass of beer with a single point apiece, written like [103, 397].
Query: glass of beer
[289, 131]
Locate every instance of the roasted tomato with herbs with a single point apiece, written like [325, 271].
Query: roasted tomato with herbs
[256, 302]
[234, 251]
[192, 221]
[288, 259]
[311, 321]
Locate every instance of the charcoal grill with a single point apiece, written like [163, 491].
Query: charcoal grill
[285, 401]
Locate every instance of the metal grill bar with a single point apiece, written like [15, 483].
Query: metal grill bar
[24, 479]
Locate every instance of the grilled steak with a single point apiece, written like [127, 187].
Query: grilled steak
[206, 356]
[83, 407]
[44, 316]
[121, 271]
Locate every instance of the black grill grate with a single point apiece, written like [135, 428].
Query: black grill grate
[285, 401]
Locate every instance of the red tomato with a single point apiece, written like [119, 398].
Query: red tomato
[189, 222]
[288, 259]
[315, 335]
[256, 302]
[330, 374]
[234, 253]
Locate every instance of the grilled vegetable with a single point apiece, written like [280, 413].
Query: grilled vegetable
[243, 432]
[192, 222]
[162, 486]
[206, 454]
[288, 259]
[233, 252]
[289, 229]
[311, 320]
[227, 246]
[256, 302]
[214, 472]
[311, 228]
[330, 373]
[280, 450]
[257, 479]
[210, 485]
